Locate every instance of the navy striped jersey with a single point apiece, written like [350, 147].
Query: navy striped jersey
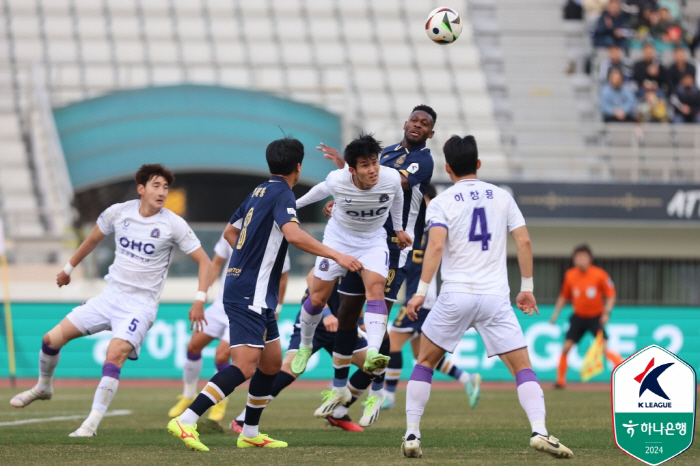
[253, 275]
[416, 164]
[414, 269]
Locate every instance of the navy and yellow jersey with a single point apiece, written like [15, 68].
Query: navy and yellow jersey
[416, 164]
[415, 267]
[253, 275]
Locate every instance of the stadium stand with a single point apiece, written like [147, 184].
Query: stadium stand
[366, 61]
[547, 106]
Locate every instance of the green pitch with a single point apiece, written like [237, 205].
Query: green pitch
[495, 433]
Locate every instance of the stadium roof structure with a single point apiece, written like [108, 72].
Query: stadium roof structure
[189, 128]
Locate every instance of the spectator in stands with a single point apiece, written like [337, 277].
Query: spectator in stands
[616, 60]
[617, 101]
[687, 101]
[611, 27]
[653, 108]
[650, 68]
[666, 29]
[679, 68]
[696, 40]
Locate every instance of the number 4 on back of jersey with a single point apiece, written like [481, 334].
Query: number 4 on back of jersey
[483, 236]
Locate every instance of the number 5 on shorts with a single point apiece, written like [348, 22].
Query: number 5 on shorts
[133, 324]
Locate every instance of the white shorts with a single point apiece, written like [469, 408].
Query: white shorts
[491, 315]
[128, 319]
[372, 252]
[217, 322]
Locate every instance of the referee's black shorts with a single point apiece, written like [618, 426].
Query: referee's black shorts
[578, 326]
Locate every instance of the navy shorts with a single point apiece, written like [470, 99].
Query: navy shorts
[323, 340]
[352, 284]
[405, 325]
[248, 328]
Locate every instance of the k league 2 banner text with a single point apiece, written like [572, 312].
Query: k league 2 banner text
[164, 351]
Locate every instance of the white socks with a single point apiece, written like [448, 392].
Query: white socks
[308, 319]
[189, 417]
[48, 360]
[103, 397]
[250, 431]
[375, 322]
[532, 400]
[417, 396]
[190, 375]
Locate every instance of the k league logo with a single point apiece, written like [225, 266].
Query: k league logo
[653, 397]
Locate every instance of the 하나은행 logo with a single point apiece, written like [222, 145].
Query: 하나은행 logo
[653, 403]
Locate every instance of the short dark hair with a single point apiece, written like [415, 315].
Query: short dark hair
[427, 109]
[364, 146]
[148, 171]
[430, 191]
[583, 248]
[283, 155]
[461, 154]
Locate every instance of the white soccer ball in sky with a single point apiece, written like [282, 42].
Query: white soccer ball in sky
[444, 25]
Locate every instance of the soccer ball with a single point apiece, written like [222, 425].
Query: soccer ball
[444, 25]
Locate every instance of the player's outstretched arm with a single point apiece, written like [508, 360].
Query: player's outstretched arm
[315, 194]
[525, 299]
[332, 154]
[431, 262]
[197, 320]
[87, 246]
[306, 243]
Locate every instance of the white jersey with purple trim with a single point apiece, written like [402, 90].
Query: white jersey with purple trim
[360, 212]
[224, 250]
[145, 246]
[478, 217]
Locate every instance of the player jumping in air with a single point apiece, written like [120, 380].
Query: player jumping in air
[404, 329]
[412, 159]
[365, 194]
[146, 234]
[215, 329]
[258, 232]
[468, 224]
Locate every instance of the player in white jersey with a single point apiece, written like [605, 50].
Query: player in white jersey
[365, 195]
[468, 225]
[217, 328]
[146, 234]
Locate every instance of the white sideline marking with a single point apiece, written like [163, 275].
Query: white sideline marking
[118, 412]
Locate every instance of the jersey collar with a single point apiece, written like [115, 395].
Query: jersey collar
[275, 178]
[399, 147]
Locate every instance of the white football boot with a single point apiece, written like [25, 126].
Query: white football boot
[551, 445]
[26, 398]
[411, 447]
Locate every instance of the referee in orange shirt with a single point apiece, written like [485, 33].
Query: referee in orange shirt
[592, 295]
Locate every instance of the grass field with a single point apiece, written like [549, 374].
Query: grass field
[495, 433]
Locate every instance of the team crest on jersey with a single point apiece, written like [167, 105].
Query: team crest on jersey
[383, 198]
[126, 224]
[323, 266]
[400, 161]
[155, 233]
